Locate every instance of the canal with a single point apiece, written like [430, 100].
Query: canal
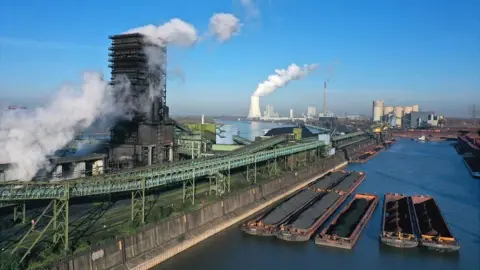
[408, 167]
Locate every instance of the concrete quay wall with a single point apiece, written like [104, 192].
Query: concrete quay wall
[159, 242]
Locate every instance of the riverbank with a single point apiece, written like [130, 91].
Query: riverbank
[158, 242]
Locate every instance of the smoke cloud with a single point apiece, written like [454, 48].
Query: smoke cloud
[27, 137]
[224, 26]
[282, 77]
[175, 31]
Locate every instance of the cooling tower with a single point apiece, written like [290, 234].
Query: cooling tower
[415, 108]
[398, 116]
[377, 110]
[407, 110]
[254, 108]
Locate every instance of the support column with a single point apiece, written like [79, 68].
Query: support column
[271, 167]
[19, 212]
[189, 189]
[138, 204]
[252, 172]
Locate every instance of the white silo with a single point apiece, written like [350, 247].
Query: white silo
[387, 113]
[407, 110]
[415, 108]
[377, 110]
[398, 116]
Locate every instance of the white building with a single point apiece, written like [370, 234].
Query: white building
[269, 112]
[311, 112]
[291, 114]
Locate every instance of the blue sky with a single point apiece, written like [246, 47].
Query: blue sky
[404, 52]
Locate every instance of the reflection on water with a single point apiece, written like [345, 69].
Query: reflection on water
[434, 169]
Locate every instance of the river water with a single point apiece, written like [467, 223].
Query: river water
[407, 167]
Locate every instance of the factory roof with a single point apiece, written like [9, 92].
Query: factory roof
[288, 130]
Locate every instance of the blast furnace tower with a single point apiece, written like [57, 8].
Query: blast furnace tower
[138, 74]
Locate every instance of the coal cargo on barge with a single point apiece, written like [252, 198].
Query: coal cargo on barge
[349, 183]
[432, 228]
[302, 225]
[345, 229]
[266, 224]
[365, 157]
[330, 180]
[397, 226]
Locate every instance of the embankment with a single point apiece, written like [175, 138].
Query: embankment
[155, 244]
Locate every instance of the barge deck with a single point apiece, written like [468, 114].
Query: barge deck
[433, 230]
[302, 226]
[397, 225]
[267, 223]
[346, 227]
[349, 183]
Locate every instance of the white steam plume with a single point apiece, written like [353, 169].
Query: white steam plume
[224, 26]
[282, 78]
[175, 32]
[27, 137]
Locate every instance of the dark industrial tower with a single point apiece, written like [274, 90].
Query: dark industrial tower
[139, 80]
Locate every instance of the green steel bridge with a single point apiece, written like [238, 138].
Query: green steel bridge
[138, 181]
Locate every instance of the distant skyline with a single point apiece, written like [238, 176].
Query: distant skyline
[402, 52]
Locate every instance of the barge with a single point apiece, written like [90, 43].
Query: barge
[329, 181]
[473, 165]
[432, 228]
[349, 183]
[345, 229]
[397, 222]
[266, 224]
[301, 226]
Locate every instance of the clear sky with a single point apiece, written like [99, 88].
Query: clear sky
[404, 52]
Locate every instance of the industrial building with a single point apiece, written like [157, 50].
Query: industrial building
[148, 137]
[311, 112]
[403, 116]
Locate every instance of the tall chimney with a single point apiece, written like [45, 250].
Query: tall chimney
[325, 98]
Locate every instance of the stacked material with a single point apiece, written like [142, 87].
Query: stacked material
[348, 182]
[308, 217]
[348, 221]
[398, 219]
[288, 207]
[424, 220]
[328, 181]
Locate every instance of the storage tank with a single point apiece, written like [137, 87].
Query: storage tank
[377, 110]
[415, 108]
[407, 110]
[398, 116]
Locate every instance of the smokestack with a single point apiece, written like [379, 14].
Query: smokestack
[254, 108]
[203, 119]
[324, 98]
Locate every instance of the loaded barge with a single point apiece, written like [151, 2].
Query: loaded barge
[346, 227]
[302, 225]
[267, 223]
[397, 226]
[431, 225]
[473, 165]
[365, 157]
[349, 183]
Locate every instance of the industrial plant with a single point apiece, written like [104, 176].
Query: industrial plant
[404, 116]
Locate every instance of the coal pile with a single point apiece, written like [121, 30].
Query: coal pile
[397, 217]
[315, 211]
[288, 207]
[347, 182]
[328, 180]
[430, 220]
[348, 220]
